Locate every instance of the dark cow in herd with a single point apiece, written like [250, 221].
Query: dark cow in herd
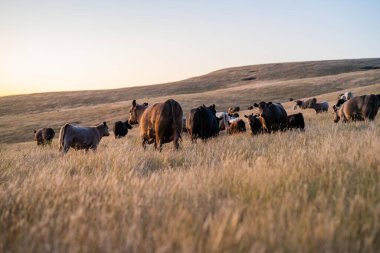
[160, 123]
[233, 110]
[256, 123]
[358, 108]
[296, 121]
[274, 115]
[304, 104]
[120, 129]
[44, 136]
[201, 122]
[79, 137]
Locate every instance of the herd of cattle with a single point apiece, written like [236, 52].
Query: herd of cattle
[164, 122]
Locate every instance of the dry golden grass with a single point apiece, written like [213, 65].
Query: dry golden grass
[311, 191]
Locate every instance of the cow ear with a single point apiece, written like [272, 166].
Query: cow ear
[134, 102]
[213, 106]
[105, 123]
[255, 105]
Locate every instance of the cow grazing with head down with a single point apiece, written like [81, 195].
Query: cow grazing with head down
[296, 121]
[343, 98]
[120, 129]
[321, 107]
[202, 123]
[304, 104]
[136, 112]
[274, 115]
[357, 108]
[256, 124]
[79, 137]
[237, 126]
[44, 136]
[161, 123]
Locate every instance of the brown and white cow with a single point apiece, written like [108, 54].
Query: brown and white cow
[79, 137]
[237, 126]
[161, 123]
[358, 108]
[256, 124]
[44, 136]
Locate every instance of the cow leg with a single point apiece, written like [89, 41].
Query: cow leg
[144, 141]
[176, 140]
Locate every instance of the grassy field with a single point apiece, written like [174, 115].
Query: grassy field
[311, 191]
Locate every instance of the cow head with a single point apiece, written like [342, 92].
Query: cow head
[105, 131]
[263, 108]
[136, 111]
[212, 108]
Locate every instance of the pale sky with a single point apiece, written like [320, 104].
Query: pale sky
[82, 45]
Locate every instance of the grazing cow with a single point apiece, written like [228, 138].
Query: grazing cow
[346, 96]
[44, 136]
[358, 108]
[202, 123]
[320, 107]
[136, 112]
[304, 104]
[120, 129]
[79, 137]
[161, 123]
[296, 121]
[343, 98]
[274, 115]
[256, 124]
[237, 126]
[232, 110]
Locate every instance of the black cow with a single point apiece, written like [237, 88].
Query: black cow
[120, 129]
[202, 123]
[296, 121]
[44, 136]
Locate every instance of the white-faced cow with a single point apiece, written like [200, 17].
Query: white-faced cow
[79, 137]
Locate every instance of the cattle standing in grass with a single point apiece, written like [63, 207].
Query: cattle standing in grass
[358, 108]
[232, 110]
[223, 119]
[320, 107]
[136, 112]
[274, 115]
[120, 129]
[202, 123]
[161, 123]
[296, 121]
[304, 104]
[343, 98]
[256, 124]
[237, 126]
[44, 136]
[79, 137]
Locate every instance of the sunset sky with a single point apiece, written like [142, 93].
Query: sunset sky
[81, 45]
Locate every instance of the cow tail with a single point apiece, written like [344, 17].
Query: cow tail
[174, 106]
[62, 136]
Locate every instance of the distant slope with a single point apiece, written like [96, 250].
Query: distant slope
[19, 115]
[225, 78]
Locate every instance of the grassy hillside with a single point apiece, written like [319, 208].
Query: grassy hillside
[19, 115]
[312, 191]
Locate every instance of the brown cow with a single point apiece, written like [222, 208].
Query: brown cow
[136, 112]
[44, 136]
[78, 137]
[358, 108]
[161, 123]
[256, 124]
[237, 126]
